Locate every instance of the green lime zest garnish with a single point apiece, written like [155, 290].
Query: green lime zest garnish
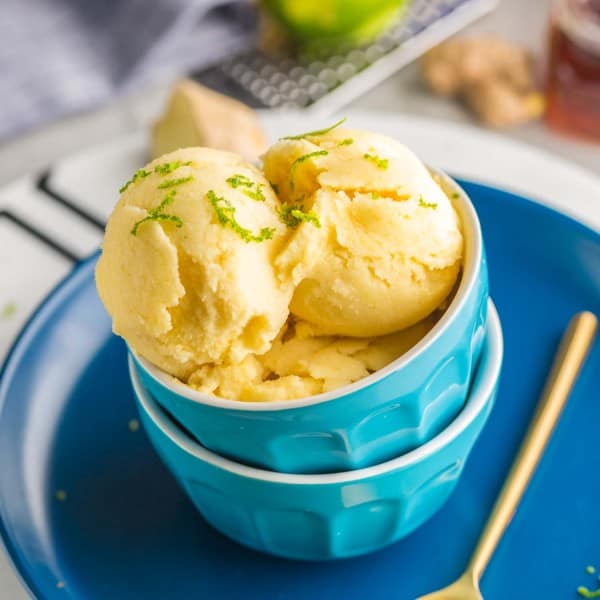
[225, 212]
[294, 214]
[169, 183]
[252, 189]
[455, 195]
[163, 169]
[590, 569]
[9, 309]
[139, 174]
[586, 593]
[256, 194]
[302, 159]
[169, 167]
[380, 163]
[346, 142]
[157, 214]
[240, 180]
[314, 133]
[424, 204]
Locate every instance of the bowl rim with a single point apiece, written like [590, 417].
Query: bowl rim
[469, 278]
[486, 379]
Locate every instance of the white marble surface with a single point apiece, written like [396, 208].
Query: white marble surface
[403, 93]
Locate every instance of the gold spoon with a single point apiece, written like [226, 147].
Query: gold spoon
[570, 356]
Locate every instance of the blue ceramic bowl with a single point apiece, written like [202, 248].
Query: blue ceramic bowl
[315, 517]
[375, 419]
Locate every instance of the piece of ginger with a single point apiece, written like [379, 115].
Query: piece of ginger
[497, 104]
[494, 78]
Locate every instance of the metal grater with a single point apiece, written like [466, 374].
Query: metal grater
[323, 86]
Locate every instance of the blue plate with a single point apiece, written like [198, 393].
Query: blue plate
[125, 530]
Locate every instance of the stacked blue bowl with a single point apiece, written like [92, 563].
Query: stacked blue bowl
[335, 515]
[348, 471]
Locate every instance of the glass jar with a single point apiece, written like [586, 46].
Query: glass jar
[573, 77]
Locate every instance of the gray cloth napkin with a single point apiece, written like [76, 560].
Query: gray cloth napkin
[62, 56]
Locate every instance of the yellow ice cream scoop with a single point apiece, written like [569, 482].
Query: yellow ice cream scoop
[376, 243]
[301, 364]
[186, 270]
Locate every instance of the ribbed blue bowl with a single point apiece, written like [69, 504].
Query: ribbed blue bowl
[375, 419]
[316, 517]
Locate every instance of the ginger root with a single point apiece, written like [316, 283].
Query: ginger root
[493, 77]
[497, 104]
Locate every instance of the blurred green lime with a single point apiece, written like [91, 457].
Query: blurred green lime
[328, 22]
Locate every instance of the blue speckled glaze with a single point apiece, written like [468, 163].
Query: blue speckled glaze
[316, 517]
[382, 416]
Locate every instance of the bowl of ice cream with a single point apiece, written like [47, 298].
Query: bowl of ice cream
[326, 516]
[322, 315]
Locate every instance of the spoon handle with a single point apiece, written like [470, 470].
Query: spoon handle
[569, 358]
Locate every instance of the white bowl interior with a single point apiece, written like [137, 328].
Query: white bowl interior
[478, 396]
[472, 259]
